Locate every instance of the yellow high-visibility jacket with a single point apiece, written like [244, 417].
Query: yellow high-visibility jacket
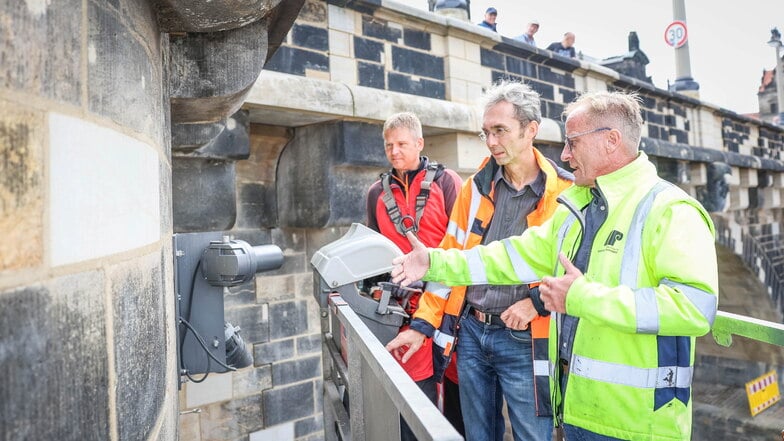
[651, 287]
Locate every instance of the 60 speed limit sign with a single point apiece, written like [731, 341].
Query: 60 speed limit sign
[676, 35]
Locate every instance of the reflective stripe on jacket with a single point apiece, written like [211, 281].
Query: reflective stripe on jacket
[440, 307]
[650, 288]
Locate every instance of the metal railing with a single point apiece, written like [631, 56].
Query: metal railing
[727, 324]
[365, 389]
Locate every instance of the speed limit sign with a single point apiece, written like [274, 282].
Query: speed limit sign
[675, 35]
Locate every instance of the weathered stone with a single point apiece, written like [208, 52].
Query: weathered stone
[140, 345]
[240, 295]
[288, 403]
[256, 207]
[297, 61]
[40, 46]
[415, 86]
[251, 381]
[371, 75]
[275, 288]
[232, 419]
[195, 209]
[417, 63]
[309, 425]
[310, 37]
[267, 353]
[309, 344]
[314, 11]
[22, 188]
[296, 370]
[187, 137]
[124, 76]
[54, 361]
[212, 72]
[288, 319]
[212, 16]
[231, 142]
[254, 325]
[366, 49]
[329, 196]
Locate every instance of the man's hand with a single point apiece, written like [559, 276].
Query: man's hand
[554, 289]
[406, 344]
[519, 315]
[413, 266]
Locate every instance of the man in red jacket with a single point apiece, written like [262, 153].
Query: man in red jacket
[417, 195]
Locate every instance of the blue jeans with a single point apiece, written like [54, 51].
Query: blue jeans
[573, 433]
[494, 363]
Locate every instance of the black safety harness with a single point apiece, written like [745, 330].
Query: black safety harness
[406, 223]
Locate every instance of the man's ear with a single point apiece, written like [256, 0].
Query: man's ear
[420, 144]
[614, 140]
[532, 129]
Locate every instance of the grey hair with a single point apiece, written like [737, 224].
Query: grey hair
[620, 110]
[405, 120]
[525, 100]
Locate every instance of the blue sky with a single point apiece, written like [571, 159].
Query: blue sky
[727, 39]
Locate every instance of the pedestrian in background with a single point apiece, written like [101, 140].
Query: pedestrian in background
[491, 14]
[528, 36]
[565, 47]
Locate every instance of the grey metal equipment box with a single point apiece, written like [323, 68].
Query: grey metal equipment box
[361, 254]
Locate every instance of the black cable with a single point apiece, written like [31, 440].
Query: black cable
[204, 346]
[198, 337]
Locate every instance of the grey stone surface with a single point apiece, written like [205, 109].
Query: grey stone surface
[124, 79]
[332, 194]
[254, 326]
[251, 381]
[212, 16]
[308, 426]
[53, 361]
[295, 371]
[241, 295]
[140, 349]
[288, 319]
[273, 352]
[288, 403]
[40, 48]
[212, 72]
[231, 419]
[276, 288]
[309, 344]
[203, 193]
[256, 207]
[232, 141]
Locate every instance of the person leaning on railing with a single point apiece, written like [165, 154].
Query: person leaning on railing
[628, 266]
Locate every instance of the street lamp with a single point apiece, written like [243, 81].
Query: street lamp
[775, 41]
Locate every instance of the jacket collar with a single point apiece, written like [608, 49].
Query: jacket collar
[616, 185]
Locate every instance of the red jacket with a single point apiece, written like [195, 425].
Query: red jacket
[432, 227]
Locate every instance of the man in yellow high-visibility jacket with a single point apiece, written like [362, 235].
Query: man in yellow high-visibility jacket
[628, 265]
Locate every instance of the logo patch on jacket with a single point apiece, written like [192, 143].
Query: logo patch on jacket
[612, 238]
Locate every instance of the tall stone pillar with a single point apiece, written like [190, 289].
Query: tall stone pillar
[86, 331]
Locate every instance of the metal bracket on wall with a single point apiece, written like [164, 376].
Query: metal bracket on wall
[200, 304]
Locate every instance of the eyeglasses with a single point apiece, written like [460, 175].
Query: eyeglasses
[498, 132]
[568, 139]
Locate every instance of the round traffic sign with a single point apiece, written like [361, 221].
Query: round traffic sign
[676, 35]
